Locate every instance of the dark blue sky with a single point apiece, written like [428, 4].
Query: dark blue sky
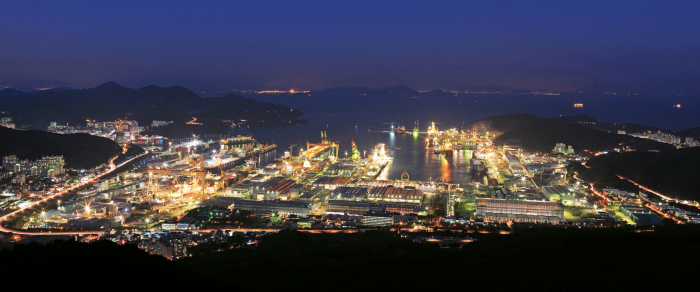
[634, 46]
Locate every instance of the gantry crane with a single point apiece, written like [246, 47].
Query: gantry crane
[291, 152]
[195, 174]
[325, 142]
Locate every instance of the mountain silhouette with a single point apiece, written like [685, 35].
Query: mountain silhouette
[110, 101]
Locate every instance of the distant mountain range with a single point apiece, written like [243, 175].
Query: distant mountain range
[396, 90]
[212, 88]
[111, 101]
[33, 84]
[403, 90]
[541, 134]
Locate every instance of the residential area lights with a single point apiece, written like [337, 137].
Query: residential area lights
[61, 193]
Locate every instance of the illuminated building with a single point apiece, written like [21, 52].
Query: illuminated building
[563, 149]
[402, 208]
[271, 206]
[7, 122]
[392, 194]
[46, 166]
[347, 207]
[560, 193]
[520, 211]
[349, 193]
[377, 218]
[329, 182]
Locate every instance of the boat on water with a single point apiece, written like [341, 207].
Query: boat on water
[397, 148]
[436, 149]
[277, 130]
[400, 129]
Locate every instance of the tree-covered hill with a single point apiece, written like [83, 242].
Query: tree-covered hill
[78, 150]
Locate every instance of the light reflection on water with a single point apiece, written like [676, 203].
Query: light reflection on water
[413, 156]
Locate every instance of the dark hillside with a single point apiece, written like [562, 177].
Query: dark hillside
[78, 150]
[111, 101]
[503, 123]
[672, 173]
[541, 134]
[612, 127]
[692, 132]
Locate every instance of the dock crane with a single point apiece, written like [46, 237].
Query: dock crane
[355, 152]
[416, 128]
[291, 151]
[195, 174]
[325, 142]
[392, 124]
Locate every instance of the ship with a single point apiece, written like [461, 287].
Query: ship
[397, 148]
[400, 129]
[436, 149]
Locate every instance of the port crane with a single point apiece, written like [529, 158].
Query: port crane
[325, 142]
[291, 151]
[197, 175]
[416, 128]
[392, 124]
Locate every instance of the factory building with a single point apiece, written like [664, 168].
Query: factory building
[392, 194]
[513, 161]
[358, 208]
[347, 207]
[271, 206]
[331, 182]
[520, 211]
[348, 193]
[377, 218]
[401, 208]
[310, 195]
[94, 223]
[563, 194]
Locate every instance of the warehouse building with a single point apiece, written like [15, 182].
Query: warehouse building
[348, 193]
[392, 194]
[347, 207]
[401, 208]
[520, 211]
[377, 219]
[267, 207]
[331, 182]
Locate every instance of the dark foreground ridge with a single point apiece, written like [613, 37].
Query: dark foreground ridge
[546, 259]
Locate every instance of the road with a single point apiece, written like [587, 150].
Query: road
[648, 206]
[62, 193]
[654, 192]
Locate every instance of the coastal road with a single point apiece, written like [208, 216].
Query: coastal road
[655, 192]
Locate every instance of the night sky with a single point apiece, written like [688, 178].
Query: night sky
[633, 46]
